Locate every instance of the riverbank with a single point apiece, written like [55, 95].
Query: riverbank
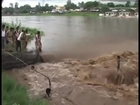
[88, 14]
[31, 31]
[15, 94]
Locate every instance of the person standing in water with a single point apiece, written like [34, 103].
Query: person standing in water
[38, 43]
[3, 35]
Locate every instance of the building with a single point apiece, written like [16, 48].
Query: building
[123, 14]
[110, 14]
[136, 14]
[60, 9]
[101, 15]
[126, 14]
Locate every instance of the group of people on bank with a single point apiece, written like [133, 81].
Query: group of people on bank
[14, 37]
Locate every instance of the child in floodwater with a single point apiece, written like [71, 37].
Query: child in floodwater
[118, 63]
[38, 43]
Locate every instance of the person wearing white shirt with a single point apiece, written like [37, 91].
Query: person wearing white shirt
[3, 35]
[18, 42]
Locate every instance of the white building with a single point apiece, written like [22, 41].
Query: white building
[124, 14]
[59, 9]
[110, 14]
[136, 14]
[101, 15]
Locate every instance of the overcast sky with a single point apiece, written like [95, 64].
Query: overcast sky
[53, 2]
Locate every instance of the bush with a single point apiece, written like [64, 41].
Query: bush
[14, 94]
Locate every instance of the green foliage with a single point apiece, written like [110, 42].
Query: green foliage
[14, 8]
[105, 8]
[15, 94]
[31, 31]
[119, 5]
[136, 3]
[111, 4]
[128, 3]
[81, 4]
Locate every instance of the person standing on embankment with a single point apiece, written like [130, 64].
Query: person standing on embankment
[10, 40]
[26, 38]
[23, 40]
[19, 42]
[3, 35]
[38, 43]
[17, 32]
[10, 36]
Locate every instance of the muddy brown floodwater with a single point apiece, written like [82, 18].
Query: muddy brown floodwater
[85, 82]
[82, 37]
[83, 73]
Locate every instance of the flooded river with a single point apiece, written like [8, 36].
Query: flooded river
[82, 37]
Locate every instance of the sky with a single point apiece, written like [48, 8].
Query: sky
[54, 2]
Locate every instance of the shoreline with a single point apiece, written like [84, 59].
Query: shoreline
[16, 89]
[88, 14]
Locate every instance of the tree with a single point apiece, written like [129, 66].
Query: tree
[39, 4]
[46, 7]
[25, 9]
[11, 5]
[128, 3]
[52, 7]
[119, 5]
[104, 8]
[136, 3]
[16, 7]
[81, 5]
[8, 10]
[111, 4]
[89, 5]
[74, 6]
[38, 7]
[95, 4]
[68, 5]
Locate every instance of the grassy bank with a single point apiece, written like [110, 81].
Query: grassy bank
[31, 31]
[88, 14]
[14, 94]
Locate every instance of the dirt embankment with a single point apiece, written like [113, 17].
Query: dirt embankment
[84, 82]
